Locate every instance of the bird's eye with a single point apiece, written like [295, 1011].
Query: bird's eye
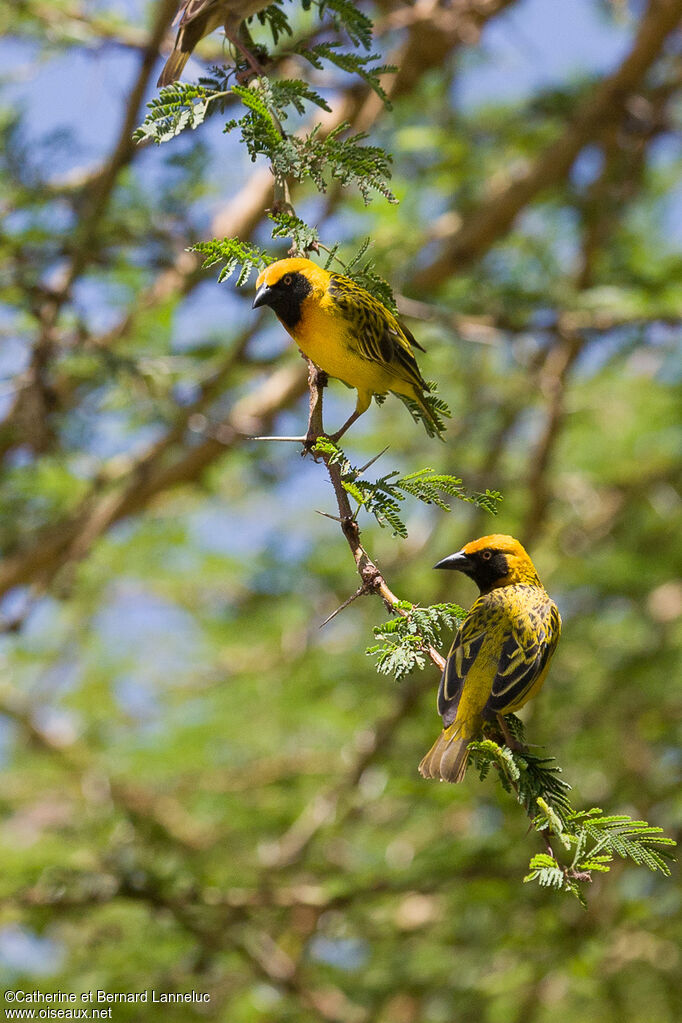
[487, 555]
[286, 280]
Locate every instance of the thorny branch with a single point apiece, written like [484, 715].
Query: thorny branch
[290, 847]
[372, 579]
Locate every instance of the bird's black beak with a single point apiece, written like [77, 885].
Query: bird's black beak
[459, 562]
[263, 296]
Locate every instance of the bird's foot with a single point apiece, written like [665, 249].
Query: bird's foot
[245, 75]
[254, 61]
[509, 740]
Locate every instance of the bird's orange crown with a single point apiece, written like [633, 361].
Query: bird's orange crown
[318, 277]
[521, 568]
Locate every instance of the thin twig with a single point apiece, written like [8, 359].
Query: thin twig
[372, 578]
[354, 596]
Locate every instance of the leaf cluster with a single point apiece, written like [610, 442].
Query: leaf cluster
[313, 155]
[233, 254]
[276, 20]
[590, 839]
[431, 415]
[347, 15]
[344, 15]
[335, 157]
[383, 497]
[288, 225]
[364, 66]
[362, 272]
[404, 640]
[594, 839]
[179, 106]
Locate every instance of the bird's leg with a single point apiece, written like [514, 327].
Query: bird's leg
[362, 404]
[509, 739]
[233, 37]
[335, 437]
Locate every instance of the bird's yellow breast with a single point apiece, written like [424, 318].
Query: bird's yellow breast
[520, 613]
[328, 336]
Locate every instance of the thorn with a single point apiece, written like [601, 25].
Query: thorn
[292, 440]
[334, 518]
[358, 593]
[373, 460]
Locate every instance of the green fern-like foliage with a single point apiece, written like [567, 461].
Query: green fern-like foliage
[533, 777]
[333, 157]
[258, 128]
[593, 840]
[343, 16]
[383, 497]
[489, 500]
[177, 107]
[596, 835]
[288, 225]
[544, 869]
[589, 839]
[428, 486]
[535, 774]
[432, 416]
[276, 20]
[540, 779]
[347, 15]
[321, 158]
[404, 640]
[233, 254]
[364, 66]
[294, 92]
[486, 753]
[271, 101]
[363, 272]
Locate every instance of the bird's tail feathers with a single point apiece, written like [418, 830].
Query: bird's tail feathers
[173, 68]
[447, 758]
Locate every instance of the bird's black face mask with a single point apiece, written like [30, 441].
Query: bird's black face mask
[485, 567]
[285, 297]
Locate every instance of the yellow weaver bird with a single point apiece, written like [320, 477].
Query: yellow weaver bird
[198, 18]
[501, 652]
[347, 333]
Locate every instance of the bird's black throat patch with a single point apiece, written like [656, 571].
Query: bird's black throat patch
[286, 299]
[486, 571]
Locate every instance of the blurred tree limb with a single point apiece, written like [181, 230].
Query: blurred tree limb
[482, 228]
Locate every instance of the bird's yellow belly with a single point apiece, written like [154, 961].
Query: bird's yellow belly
[475, 694]
[325, 338]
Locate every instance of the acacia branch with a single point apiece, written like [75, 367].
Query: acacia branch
[553, 381]
[37, 398]
[145, 479]
[492, 220]
[373, 580]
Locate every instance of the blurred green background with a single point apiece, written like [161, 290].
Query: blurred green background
[203, 790]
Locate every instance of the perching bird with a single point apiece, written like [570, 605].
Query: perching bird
[198, 18]
[347, 333]
[501, 652]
